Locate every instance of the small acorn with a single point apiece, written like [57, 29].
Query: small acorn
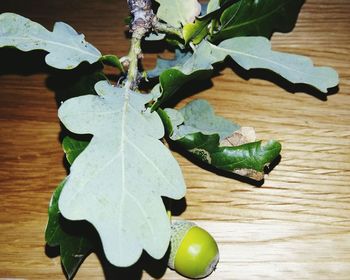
[194, 252]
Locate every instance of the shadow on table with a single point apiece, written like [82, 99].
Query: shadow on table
[196, 86]
[16, 62]
[84, 235]
[279, 81]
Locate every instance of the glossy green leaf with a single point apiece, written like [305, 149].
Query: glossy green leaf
[174, 42]
[73, 248]
[197, 31]
[112, 60]
[184, 68]
[258, 18]
[66, 48]
[128, 20]
[117, 182]
[200, 28]
[178, 12]
[73, 148]
[168, 120]
[189, 130]
[172, 80]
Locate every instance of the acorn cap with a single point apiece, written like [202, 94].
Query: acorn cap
[194, 252]
[178, 232]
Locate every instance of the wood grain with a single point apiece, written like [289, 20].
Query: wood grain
[295, 226]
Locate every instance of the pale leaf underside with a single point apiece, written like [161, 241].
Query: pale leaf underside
[199, 116]
[66, 48]
[254, 53]
[117, 182]
[178, 13]
[164, 64]
[249, 53]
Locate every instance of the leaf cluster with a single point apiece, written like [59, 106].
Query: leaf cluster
[117, 180]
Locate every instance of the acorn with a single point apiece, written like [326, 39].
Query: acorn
[194, 252]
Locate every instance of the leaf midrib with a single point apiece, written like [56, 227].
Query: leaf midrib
[267, 60]
[55, 43]
[233, 16]
[256, 19]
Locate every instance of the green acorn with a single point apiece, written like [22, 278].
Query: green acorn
[194, 252]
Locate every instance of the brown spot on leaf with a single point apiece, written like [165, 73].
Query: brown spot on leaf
[253, 174]
[202, 154]
[241, 136]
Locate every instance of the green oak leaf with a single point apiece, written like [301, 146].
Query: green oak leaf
[73, 148]
[258, 18]
[189, 131]
[66, 48]
[172, 80]
[112, 60]
[73, 248]
[118, 181]
[200, 28]
[178, 12]
[184, 67]
[175, 42]
[127, 20]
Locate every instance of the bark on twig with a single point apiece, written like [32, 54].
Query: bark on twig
[142, 22]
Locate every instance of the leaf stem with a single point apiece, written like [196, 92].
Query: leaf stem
[144, 20]
[133, 57]
[166, 28]
[143, 17]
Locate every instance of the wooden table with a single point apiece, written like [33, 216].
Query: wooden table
[295, 226]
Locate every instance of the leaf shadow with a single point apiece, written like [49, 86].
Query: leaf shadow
[52, 251]
[270, 76]
[155, 268]
[77, 229]
[177, 207]
[32, 62]
[204, 82]
[190, 89]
